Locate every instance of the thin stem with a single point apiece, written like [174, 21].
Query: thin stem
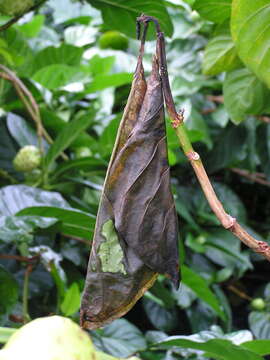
[255, 177]
[227, 221]
[28, 271]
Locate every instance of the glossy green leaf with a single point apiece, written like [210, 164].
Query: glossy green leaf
[214, 348]
[33, 27]
[57, 75]
[72, 300]
[196, 283]
[220, 55]
[244, 95]
[8, 291]
[73, 222]
[101, 82]
[120, 338]
[71, 131]
[161, 318]
[121, 15]
[250, 31]
[261, 347]
[259, 322]
[213, 10]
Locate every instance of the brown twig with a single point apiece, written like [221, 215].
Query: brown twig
[227, 221]
[32, 259]
[255, 177]
[216, 98]
[18, 17]
[84, 241]
[240, 293]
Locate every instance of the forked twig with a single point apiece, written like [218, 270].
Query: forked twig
[227, 221]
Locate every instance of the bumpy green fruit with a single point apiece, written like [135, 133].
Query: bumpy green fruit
[113, 40]
[258, 304]
[27, 159]
[15, 7]
[50, 338]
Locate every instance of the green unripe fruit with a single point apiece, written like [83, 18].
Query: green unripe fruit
[82, 151]
[15, 7]
[113, 40]
[27, 159]
[50, 338]
[258, 304]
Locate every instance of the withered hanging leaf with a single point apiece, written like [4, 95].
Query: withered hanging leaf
[136, 232]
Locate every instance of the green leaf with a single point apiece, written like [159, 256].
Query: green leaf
[101, 82]
[8, 148]
[22, 132]
[261, 347]
[14, 198]
[5, 334]
[72, 300]
[244, 95]
[8, 291]
[220, 55]
[201, 289]
[161, 318]
[250, 31]
[71, 131]
[65, 54]
[213, 10]
[120, 338]
[33, 27]
[121, 15]
[100, 65]
[73, 222]
[214, 348]
[259, 322]
[55, 76]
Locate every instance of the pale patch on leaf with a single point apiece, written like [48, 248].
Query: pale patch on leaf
[110, 251]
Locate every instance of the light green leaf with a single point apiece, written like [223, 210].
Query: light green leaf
[220, 55]
[33, 27]
[251, 32]
[73, 222]
[201, 289]
[244, 95]
[259, 322]
[110, 252]
[213, 10]
[71, 131]
[101, 82]
[121, 14]
[214, 348]
[261, 347]
[71, 301]
[55, 76]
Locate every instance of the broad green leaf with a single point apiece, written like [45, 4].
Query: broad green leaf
[5, 334]
[259, 322]
[18, 230]
[22, 132]
[121, 15]
[161, 318]
[100, 65]
[244, 95]
[71, 131]
[101, 82]
[14, 198]
[73, 222]
[8, 291]
[110, 251]
[261, 347]
[33, 27]
[55, 76]
[8, 149]
[72, 300]
[65, 54]
[220, 55]
[201, 289]
[214, 348]
[120, 338]
[213, 10]
[250, 31]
